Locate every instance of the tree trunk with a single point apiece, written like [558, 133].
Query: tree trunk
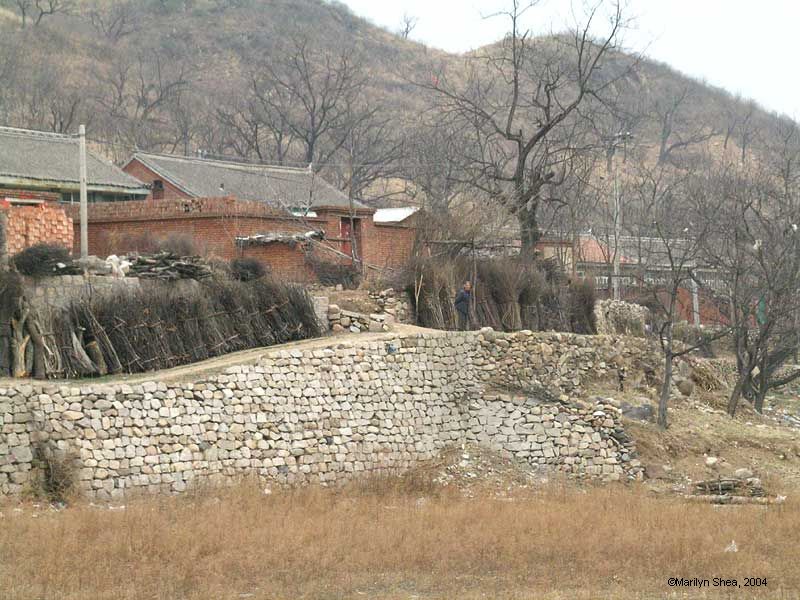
[39, 350]
[19, 343]
[733, 400]
[665, 389]
[529, 230]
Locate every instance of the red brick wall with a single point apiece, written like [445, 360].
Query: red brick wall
[212, 223]
[389, 246]
[16, 194]
[284, 261]
[31, 224]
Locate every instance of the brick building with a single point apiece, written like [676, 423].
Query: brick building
[39, 172]
[236, 209]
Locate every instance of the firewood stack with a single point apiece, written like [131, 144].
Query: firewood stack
[168, 266]
[750, 487]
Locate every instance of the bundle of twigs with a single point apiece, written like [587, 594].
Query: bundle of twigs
[509, 294]
[133, 331]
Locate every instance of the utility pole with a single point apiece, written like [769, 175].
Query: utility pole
[617, 233]
[84, 196]
[623, 137]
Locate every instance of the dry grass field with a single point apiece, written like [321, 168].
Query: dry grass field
[396, 538]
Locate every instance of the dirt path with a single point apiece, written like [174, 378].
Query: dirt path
[244, 357]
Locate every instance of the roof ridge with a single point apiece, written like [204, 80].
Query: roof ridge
[33, 133]
[230, 162]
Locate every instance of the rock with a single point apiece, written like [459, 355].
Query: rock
[644, 412]
[712, 461]
[743, 473]
[21, 454]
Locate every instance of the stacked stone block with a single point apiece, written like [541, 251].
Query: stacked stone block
[320, 415]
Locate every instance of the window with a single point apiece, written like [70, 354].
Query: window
[158, 189]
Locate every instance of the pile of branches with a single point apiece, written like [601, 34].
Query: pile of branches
[509, 294]
[44, 260]
[158, 327]
[168, 266]
[730, 486]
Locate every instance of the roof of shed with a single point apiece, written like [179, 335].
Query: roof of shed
[286, 187]
[39, 158]
[394, 215]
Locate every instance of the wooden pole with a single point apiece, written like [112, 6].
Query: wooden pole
[84, 212]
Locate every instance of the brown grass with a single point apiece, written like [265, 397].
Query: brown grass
[375, 540]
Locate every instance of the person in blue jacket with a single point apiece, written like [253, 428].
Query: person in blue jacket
[462, 306]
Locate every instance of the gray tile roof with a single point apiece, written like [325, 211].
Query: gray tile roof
[283, 187]
[41, 158]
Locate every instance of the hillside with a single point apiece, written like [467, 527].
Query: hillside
[179, 76]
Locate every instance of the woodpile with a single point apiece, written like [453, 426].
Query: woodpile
[168, 266]
[136, 330]
[731, 486]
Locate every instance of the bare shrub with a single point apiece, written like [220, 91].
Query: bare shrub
[41, 260]
[247, 269]
[346, 274]
[56, 473]
[178, 244]
[582, 298]
[509, 294]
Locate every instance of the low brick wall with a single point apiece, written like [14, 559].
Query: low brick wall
[322, 414]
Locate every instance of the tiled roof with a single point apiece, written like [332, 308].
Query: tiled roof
[44, 158]
[287, 187]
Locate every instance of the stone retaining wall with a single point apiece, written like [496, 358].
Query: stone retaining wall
[58, 292]
[323, 414]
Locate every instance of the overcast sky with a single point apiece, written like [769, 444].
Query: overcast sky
[748, 47]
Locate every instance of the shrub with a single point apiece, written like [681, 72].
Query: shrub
[247, 269]
[348, 275]
[178, 244]
[510, 293]
[582, 299]
[41, 260]
[56, 476]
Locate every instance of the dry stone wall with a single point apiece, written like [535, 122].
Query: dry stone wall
[58, 292]
[322, 414]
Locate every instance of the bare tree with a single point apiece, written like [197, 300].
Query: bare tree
[676, 130]
[756, 242]
[673, 226]
[310, 93]
[36, 10]
[746, 127]
[136, 93]
[407, 26]
[115, 20]
[516, 101]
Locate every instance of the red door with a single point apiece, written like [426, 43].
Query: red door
[347, 235]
